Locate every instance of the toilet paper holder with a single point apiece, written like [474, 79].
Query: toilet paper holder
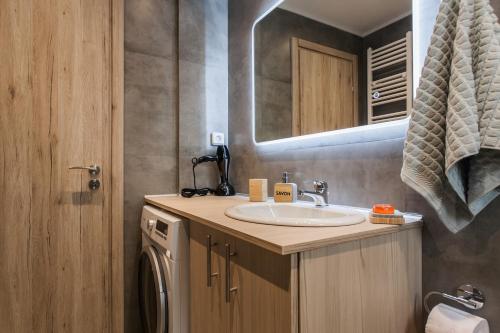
[467, 295]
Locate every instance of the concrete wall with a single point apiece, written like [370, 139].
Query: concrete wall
[203, 85]
[151, 118]
[175, 95]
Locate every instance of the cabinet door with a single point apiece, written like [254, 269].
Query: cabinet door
[209, 311]
[265, 284]
[369, 285]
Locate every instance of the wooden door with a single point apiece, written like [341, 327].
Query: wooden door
[209, 311]
[60, 106]
[324, 88]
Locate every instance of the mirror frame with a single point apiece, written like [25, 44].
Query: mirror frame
[395, 129]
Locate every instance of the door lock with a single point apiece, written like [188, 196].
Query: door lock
[94, 184]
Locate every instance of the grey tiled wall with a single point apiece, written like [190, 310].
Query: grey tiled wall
[151, 112]
[203, 86]
[176, 89]
[360, 174]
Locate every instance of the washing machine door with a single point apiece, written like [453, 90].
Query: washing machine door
[152, 292]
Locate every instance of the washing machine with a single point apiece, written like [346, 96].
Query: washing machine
[164, 272]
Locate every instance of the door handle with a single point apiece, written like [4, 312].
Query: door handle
[210, 275]
[94, 169]
[229, 289]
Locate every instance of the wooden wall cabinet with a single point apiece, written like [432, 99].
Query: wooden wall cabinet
[364, 285]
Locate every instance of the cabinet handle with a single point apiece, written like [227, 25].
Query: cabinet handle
[210, 275]
[229, 290]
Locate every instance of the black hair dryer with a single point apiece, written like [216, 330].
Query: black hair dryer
[223, 159]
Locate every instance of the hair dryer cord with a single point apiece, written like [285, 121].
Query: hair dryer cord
[190, 192]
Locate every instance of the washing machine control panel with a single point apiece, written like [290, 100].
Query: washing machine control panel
[158, 227]
[162, 228]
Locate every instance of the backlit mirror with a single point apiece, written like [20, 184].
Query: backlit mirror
[325, 65]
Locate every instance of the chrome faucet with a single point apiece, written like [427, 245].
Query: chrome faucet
[319, 195]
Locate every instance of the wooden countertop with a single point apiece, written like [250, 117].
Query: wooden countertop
[209, 210]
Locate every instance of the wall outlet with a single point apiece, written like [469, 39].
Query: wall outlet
[216, 139]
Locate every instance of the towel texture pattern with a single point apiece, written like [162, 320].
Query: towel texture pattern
[452, 150]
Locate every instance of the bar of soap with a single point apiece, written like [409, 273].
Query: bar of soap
[257, 190]
[383, 209]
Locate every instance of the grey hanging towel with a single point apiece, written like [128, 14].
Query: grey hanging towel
[452, 150]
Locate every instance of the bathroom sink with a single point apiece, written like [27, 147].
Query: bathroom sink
[295, 214]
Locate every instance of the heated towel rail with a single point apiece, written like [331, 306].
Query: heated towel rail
[389, 80]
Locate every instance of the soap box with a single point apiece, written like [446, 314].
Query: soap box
[257, 190]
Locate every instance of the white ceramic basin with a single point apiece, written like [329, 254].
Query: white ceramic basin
[295, 214]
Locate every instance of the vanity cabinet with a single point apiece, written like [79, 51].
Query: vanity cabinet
[250, 289]
[364, 285]
[362, 278]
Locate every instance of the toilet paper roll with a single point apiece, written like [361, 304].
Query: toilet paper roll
[446, 319]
